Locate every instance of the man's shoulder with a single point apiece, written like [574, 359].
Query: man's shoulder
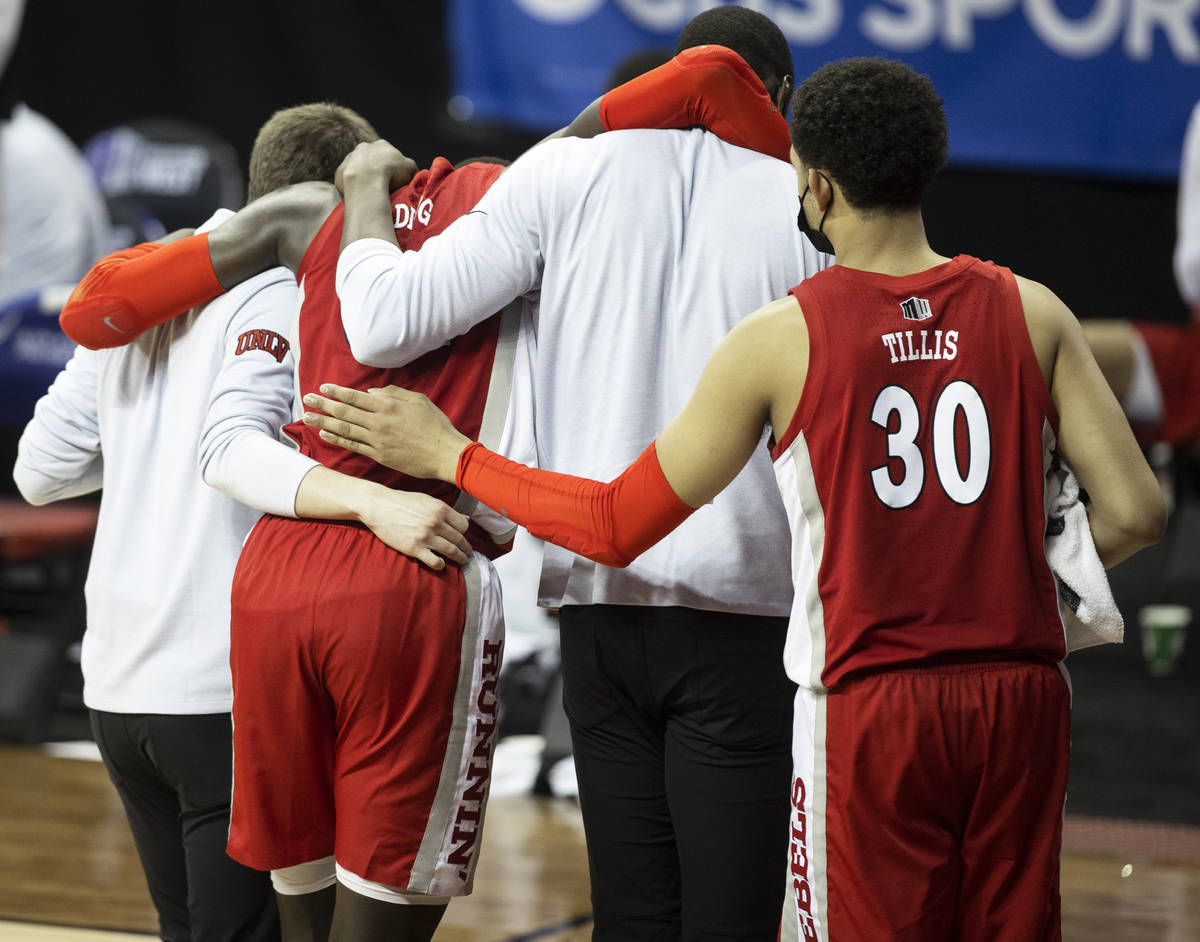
[273, 290]
[655, 154]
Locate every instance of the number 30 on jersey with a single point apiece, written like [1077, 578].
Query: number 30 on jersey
[902, 445]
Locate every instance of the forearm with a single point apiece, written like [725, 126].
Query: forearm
[368, 208]
[1116, 543]
[257, 470]
[586, 124]
[128, 292]
[330, 495]
[49, 469]
[610, 523]
[417, 525]
[707, 86]
[40, 487]
[397, 306]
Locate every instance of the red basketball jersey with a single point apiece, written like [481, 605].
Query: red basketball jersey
[457, 377]
[913, 472]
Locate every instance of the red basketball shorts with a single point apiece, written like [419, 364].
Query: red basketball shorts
[1175, 353]
[364, 706]
[927, 805]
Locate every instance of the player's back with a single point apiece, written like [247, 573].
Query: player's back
[458, 376]
[913, 472]
[655, 244]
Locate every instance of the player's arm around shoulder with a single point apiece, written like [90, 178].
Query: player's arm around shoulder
[1127, 511]
[399, 305]
[250, 399]
[273, 230]
[755, 376]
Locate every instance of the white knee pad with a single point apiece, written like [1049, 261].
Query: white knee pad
[304, 878]
[385, 893]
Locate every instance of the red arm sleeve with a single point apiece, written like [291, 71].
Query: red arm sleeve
[130, 291]
[709, 86]
[611, 523]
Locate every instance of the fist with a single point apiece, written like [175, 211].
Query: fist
[372, 161]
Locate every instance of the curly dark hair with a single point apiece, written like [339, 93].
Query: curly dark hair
[751, 35]
[876, 125]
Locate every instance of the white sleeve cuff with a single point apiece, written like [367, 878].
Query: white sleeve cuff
[260, 472]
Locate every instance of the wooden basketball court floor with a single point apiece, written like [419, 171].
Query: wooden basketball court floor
[69, 873]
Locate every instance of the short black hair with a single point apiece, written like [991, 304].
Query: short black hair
[307, 142]
[876, 125]
[751, 35]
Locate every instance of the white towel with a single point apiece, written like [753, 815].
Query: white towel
[1089, 612]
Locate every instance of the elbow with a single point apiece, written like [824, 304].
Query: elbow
[1153, 521]
[586, 544]
[371, 351]
[610, 556]
[615, 552]
[100, 322]
[33, 487]
[1145, 522]
[366, 352]
[208, 469]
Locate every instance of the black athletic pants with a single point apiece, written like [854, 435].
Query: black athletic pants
[681, 725]
[174, 775]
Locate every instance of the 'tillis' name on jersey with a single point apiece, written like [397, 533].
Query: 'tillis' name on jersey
[926, 345]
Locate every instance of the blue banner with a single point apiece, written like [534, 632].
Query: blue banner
[1094, 86]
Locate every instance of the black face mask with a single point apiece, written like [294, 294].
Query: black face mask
[818, 238]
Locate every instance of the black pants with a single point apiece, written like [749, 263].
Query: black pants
[681, 725]
[174, 775]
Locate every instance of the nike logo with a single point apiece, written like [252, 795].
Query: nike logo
[108, 321]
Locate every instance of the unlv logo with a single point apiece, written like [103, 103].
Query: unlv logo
[263, 340]
[916, 309]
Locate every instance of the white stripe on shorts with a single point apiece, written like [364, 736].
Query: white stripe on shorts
[808, 895]
[445, 864]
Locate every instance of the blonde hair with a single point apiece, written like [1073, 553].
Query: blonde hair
[303, 143]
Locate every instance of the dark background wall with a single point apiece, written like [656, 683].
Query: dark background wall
[1103, 245]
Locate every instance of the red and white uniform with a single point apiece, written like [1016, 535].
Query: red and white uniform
[364, 683]
[931, 724]
[915, 444]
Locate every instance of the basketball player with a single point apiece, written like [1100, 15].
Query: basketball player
[156, 650]
[913, 401]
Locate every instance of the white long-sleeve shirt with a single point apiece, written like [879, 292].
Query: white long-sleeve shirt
[1187, 243]
[637, 251]
[129, 420]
